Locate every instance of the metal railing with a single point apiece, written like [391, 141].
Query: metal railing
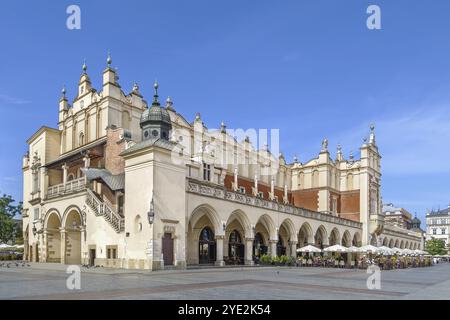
[65, 188]
[101, 208]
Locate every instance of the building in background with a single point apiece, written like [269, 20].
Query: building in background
[438, 225]
[397, 219]
[121, 183]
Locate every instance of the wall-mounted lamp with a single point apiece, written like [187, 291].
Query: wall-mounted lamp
[151, 212]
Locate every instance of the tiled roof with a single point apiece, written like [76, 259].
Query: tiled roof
[114, 182]
[443, 212]
[162, 143]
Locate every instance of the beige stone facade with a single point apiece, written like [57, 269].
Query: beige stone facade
[110, 187]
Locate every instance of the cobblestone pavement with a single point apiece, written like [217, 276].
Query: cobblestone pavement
[48, 281]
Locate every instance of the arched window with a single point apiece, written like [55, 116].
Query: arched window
[126, 120]
[349, 181]
[315, 179]
[81, 139]
[301, 180]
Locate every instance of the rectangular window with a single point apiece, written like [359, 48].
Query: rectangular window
[120, 204]
[443, 231]
[35, 186]
[434, 231]
[206, 172]
[261, 195]
[36, 213]
[111, 252]
[242, 190]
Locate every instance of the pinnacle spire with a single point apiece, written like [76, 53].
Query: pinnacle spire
[155, 96]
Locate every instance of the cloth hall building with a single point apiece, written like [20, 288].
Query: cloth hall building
[129, 184]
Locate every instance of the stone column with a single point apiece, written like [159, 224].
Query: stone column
[63, 245]
[219, 251]
[249, 251]
[46, 183]
[293, 248]
[45, 243]
[87, 161]
[65, 167]
[273, 247]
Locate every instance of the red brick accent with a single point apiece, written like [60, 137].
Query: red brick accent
[249, 184]
[307, 199]
[114, 146]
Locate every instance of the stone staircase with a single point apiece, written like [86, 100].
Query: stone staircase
[101, 208]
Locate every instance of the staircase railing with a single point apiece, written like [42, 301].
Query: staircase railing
[101, 208]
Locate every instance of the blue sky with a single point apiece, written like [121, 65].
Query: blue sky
[310, 68]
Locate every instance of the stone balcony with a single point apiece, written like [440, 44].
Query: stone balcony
[220, 192]
[66, 188]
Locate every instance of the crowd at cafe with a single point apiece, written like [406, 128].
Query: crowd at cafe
[362, 257]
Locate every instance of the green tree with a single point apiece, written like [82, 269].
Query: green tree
[436, 247]
[8, 228]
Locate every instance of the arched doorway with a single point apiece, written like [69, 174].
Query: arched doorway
[207, 247]
[356, 242]
[334, 237]
[305, 235]
[346, 239]
[266, 228]
[319, 238]
[281, 247]
[259, 247]
[391, 243]
[373, 240]
[235, 248]
[72, 229]
[53, 238]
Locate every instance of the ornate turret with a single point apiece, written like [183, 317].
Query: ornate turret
[415, 223]
[169, 104]
[84, 85]
[63, 104]
[372, 135]
[155, 121]
[324, 145]
[339, 155]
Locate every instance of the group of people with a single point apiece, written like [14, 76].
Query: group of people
[394, 262]
[365, 260]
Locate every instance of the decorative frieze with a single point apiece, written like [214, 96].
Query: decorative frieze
[197, 187]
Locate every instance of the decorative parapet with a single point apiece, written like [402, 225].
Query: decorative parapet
[219, 192]
[405, 233]
[67, 188]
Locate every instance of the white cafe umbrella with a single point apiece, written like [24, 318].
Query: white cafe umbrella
[353, 249]
[386, 250]
[408, 252]
[336, 248]
[309, 248]
[2, 246]
[397, 250]
[419, 252]
[369, 249]
[19, 246]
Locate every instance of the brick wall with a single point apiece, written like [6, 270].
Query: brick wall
[307, 199]
[114, 146]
